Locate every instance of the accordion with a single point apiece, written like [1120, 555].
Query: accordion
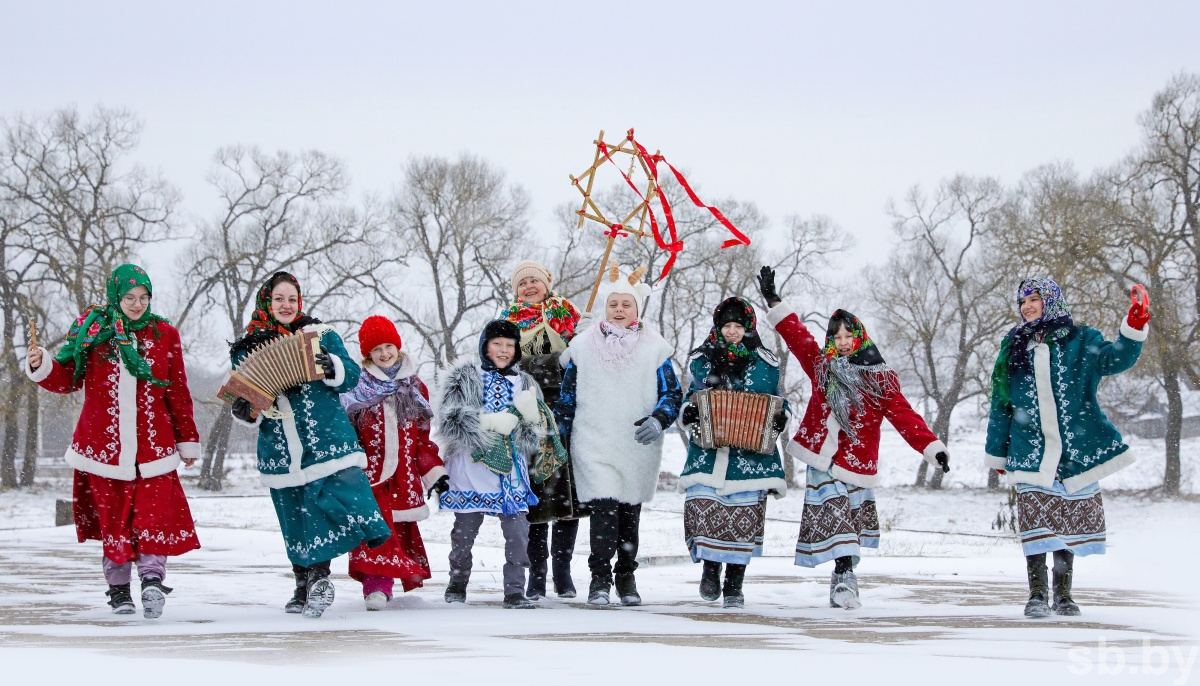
[736, 419]
[272, 368]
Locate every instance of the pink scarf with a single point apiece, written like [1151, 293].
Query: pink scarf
[615, 346]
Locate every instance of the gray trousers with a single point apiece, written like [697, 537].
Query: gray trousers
[516, 546]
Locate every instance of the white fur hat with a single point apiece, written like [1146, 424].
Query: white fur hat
[629, 285]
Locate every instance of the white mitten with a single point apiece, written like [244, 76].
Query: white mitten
[526, 404]
[502, 423]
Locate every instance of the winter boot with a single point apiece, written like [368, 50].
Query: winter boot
[154, 597]
[456, 591]
[376, 600]
[627, 589]
[598, 591]
[843, 591]
[296, 605]
[1035, 566]
[516, 601]
[537, 584]
[1064, 563]
[120, 600]
[734, 575]
[564, 587]
[320, 591]
[710, 580]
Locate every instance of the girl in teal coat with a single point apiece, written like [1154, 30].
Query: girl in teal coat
[1048, 433]
[308, 452]
[724, 514]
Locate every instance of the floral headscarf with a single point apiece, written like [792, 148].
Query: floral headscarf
[558, 313]
[100, 323]
[851, 380]
[263, 319]
[1055, 323]
[725, 358]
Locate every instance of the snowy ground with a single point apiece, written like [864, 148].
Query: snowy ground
[942, 602]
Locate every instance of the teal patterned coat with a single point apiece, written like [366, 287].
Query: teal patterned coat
[735, 470]
[313, 437]
[1053, 428]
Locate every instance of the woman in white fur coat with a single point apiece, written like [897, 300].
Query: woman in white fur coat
[619, 393]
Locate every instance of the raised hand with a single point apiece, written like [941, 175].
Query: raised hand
[766, 286]
[34, 355]
[1139, 311]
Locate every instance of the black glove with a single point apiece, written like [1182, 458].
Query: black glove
[691, 415]
[944, 460]
[243, 410]
[325, 362]
[440, 486]
[780, 421]
[766, 285]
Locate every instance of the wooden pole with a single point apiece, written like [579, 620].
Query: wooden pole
[32, 334]
[612, 237]
[587, 194]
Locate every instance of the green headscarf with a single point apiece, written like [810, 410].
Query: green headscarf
[99, 323]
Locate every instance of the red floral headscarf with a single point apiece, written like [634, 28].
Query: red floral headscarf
[263, 319]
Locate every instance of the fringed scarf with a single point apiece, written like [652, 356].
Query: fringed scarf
[556, 311]
[403, 395]
[1054, 324]
[100, 323]
[852, 380]
[615, 346]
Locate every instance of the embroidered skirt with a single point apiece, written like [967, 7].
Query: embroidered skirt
[329, 517]
[130, 518]
[839, 520]
[402, 556]
[1050, 519]
[724, 528]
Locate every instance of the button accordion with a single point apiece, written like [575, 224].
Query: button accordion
[736, 419]
[272, 368]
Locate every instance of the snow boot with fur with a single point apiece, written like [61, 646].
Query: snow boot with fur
[456, 591]
[120, 600]
[564, 587]
[376, 600]
[710, 580]
[296, 605]
[320, 591]
[1035, 566]
[154, 597]
[627, 589]
[843, 591]
[598, 590]
[1064, 563]
[734, 576]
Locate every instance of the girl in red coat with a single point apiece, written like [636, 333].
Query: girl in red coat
[390, 411]
[853, 391]
[135, 428]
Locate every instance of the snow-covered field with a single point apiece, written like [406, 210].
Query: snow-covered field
[942, 601]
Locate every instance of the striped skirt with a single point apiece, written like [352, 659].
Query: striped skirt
[839, 519]
[1050, 519]
[724, 528]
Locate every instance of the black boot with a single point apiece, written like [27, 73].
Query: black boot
[710, 580]
[538, 551]
[1064, 564]
[537, 583]
[120, 600]
[1035, 566]
[320, 590]
[598, 590]
[456, 591]
[734, 575]
[516, 601]
[564, 587]
[627, 589]
[154, 597]
[296, 605]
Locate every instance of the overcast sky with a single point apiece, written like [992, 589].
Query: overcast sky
[800, 107]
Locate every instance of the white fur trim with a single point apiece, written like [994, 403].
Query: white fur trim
[251, 425]
[775, 483]
[1048, 416]
[854, 478]
[808, 457]
[778, 313]
[1078, 482]
[407, 368]
[767, 356]
[189, 450]
[316, 471]
[995, 462]
[430, 478]
[714, 480]
[339, 371]
[160, 466]
[391, 444]
[127, 416]
[931, 451]
[39, 375]
[416, 514]
[1133, 334]
[108, 471]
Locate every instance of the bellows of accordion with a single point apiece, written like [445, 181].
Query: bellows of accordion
[736, 419]
[272, 368]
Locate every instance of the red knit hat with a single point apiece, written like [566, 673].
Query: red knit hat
[376, 331]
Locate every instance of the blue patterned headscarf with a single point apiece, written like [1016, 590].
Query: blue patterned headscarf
[1055, 323]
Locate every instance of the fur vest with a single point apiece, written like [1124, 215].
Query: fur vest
[459, 411]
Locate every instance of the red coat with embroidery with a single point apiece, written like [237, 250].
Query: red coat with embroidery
[399, 452]
[128, 427]
[820, 442]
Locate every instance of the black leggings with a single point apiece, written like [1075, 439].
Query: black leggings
[560, 546]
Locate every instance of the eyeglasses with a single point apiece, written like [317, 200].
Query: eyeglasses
[131, 300]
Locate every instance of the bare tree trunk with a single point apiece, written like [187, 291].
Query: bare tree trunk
[941, 429]
[32, 407]
[993, 480]
[8, 453]
[1174, 426]
[212, 471]
[922, 471]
